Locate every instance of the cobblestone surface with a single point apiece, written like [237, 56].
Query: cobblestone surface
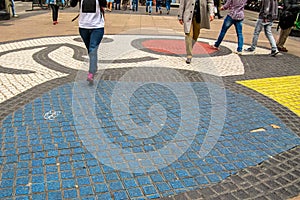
[78, 153]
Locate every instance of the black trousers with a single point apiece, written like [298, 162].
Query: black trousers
[54, 11]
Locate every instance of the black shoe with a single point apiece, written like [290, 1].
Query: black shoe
[274, 53]
[220, 17]
[188, 60]
[249, 49]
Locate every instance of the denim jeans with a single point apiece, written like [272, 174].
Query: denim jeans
[238, 24]
[168, 4]
[92, 39]
[268, 32]
[13, 8]
[149, 6]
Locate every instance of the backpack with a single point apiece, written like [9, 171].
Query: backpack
[286, 20]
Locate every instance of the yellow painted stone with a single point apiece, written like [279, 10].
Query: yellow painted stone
[284, 90]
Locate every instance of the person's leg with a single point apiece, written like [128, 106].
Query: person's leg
[189, 42]
[150, 6]
[226, 25]
[147, 5]
[13, 8]
[86, 36]
[55, 17]
[239, 32]
[257, 30]
[283, 37]
[96, 37]
[269, 35]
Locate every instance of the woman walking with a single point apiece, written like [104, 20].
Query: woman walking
[54, 4]
[234, 17]
[91, 29]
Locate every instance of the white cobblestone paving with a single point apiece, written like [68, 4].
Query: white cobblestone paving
[16, 57]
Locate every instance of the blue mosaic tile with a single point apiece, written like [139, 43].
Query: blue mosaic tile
[176, 184]
[135, 192]
[53, 185]
[105, 196]
[55, 195]
[20, 190]
[98, 179]
[38, 179]
[101, 188]
[129, 183]
[69, 183]
[39, 187]
[143, 180]
[70, 194]
[39, 196]
[86, 190]
[23, 198]
[120, 195]
[116, 186]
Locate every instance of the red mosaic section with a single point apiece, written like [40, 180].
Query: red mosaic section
[176, 47]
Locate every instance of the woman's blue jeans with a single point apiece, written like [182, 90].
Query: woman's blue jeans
[228, 21]
[92, 39]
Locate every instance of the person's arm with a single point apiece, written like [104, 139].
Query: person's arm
[226, 5]
[180, 11]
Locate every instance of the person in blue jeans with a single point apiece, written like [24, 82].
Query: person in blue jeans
[158, 6]
[135, 4]
[234, 17]
[168, 6]
[13, 10]
[91, 29]
[268, 12]
[149, 6]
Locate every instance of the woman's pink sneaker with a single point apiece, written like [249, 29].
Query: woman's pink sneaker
[90, 78]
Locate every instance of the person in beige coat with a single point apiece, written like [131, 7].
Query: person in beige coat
[194, 15]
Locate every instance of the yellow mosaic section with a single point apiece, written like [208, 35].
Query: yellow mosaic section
[284, 90]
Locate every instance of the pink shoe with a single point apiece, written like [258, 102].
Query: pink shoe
[214, 47]
[90, 78]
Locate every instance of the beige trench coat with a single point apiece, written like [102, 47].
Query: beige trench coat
[186, 12]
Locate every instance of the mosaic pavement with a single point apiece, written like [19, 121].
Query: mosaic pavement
[224, 127]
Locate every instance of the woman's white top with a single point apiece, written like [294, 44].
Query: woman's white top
[91, 20]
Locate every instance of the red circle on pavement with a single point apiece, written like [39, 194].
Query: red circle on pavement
[176, 47]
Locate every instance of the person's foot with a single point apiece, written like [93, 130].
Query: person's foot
[274, 53]
[220, 17]
[168, 12]
[188, 60]
[214, 47]
[15, 16]
[283, 49]
[238, 52]
[90, 78]
[55, 22]
[160, 12]
[250, 49]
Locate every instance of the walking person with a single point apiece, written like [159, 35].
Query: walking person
[291, 8]
[91, 29]
[54, 4]
[217, 4]
[194, 15]
[168, 6]
[149, 6]
[13, 9]
[110, 5]
[268, 12]
[158, 6]
[234, 17]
